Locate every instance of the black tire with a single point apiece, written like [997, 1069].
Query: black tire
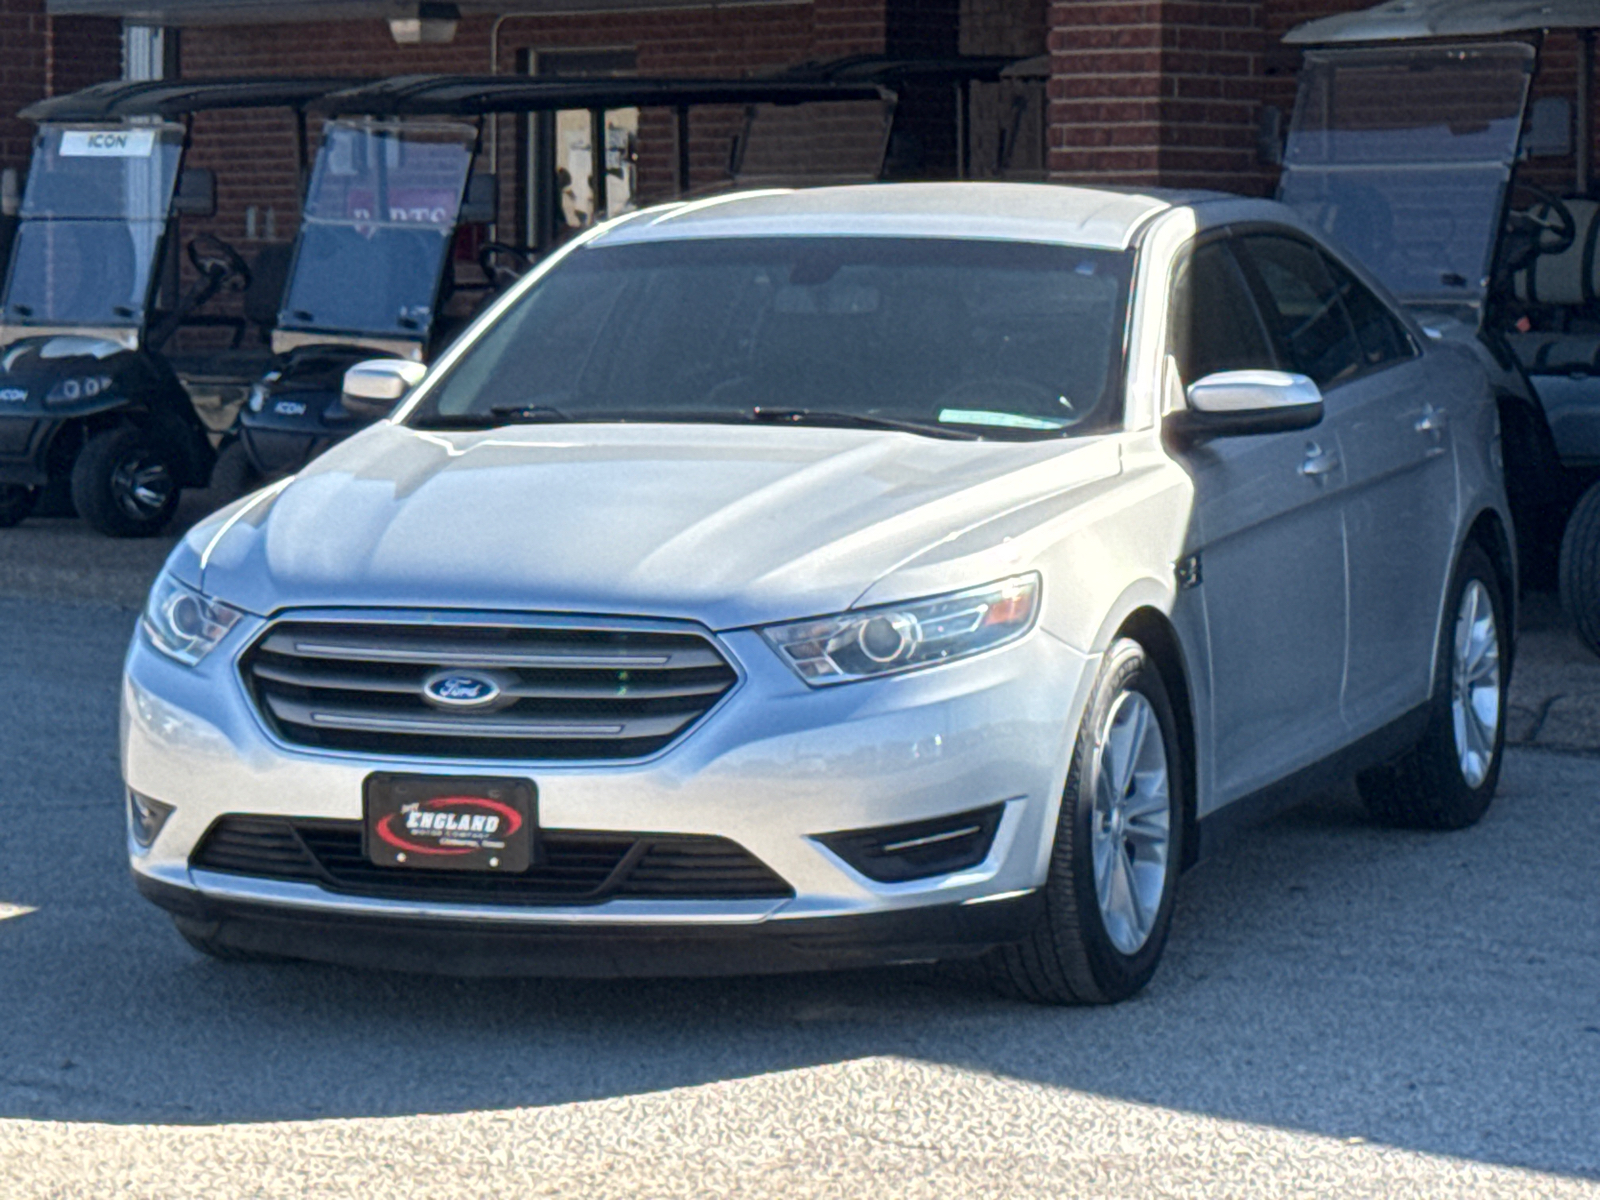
[212, 948]
[235, 475]
[1580, 569]
[1070, 956]
[124, 483]
[1535, 490]
[1427, 787]
[16, 503]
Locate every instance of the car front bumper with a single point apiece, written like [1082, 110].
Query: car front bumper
[775, 766]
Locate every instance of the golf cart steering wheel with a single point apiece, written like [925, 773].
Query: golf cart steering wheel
[1551, 231]
[502, 274]
[215, 259]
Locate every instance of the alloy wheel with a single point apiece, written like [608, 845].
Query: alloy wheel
[142, 485]
[1475, 684]
[1131, 831]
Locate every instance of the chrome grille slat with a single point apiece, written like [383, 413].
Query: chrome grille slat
[337, 681]
[563, 692]
[468, 654]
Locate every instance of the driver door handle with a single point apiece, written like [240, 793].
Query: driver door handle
[1432, 420]
[1318, 462]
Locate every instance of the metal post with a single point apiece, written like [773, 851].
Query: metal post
[963, 155]
[598, 206]
[1585, 130]
[683, 150]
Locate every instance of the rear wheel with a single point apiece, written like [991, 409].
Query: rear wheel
[1118, 844]
[16, 502]
[1580, 568]
[124, 484]
[1448, 778]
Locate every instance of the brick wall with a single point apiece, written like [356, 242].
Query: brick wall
[43, 56]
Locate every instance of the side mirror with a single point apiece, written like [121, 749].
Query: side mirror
[1242, 403]
[481, 204]
[1549, 132]
[197, 193]
[374, 387]
[1269, 136]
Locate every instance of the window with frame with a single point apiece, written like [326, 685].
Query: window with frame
[1214, 323]
[1384, 340]
[1303, 308]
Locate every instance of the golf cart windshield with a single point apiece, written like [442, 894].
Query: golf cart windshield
[816, 142]
[379, 221]
[1402, 156]
[92, 220]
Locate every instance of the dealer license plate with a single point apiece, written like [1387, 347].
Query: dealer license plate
[441, 823]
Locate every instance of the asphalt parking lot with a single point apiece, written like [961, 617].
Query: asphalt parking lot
[1342, 1010]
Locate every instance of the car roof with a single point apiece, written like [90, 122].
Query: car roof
[1408, 20]
[1102, 218]
[174, 97]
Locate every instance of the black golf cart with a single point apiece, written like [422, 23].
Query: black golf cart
[89, 400]
[1415, 145]
[395, 205]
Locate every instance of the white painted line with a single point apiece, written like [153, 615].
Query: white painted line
[15, 910]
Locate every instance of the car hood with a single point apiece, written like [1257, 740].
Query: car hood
[730, 525]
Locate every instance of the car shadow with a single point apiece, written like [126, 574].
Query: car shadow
[1439, 993]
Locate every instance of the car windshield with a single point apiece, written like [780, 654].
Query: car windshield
[92, 220]
[379, 220]
[1402, 157]
[963, 337]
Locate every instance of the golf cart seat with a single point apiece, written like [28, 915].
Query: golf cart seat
[1569, 283]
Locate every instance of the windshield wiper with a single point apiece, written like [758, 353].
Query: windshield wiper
[501, 414]
[814, 416]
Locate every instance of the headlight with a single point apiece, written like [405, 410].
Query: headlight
[78, 387]
[258, 397]
[902, 637]
[183, 624]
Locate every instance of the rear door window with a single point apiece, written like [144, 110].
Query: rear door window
[1383, 338]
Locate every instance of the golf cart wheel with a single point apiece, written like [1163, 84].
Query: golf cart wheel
[16, 502]
[1118, 846]
[1580, 568]
[235, 475]
[1448, 778]
[124, 484]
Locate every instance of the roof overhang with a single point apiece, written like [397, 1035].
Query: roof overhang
[1411, 20]
[272, 12]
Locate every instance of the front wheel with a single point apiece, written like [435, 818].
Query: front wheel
[1448, 778]
[16, 502]
[124, 483]
[1580, 568]
[1118, 846]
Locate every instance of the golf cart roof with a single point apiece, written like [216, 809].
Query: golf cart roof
[1408, 20]
[175, 97]
[861, 78]
[476, 95]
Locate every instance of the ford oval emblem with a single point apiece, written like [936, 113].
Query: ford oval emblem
[461, 689]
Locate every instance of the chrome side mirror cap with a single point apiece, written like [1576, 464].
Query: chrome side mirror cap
[374, 387]
[1243, 403]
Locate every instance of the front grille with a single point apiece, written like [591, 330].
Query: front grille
[573, 867]
[563, 693]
